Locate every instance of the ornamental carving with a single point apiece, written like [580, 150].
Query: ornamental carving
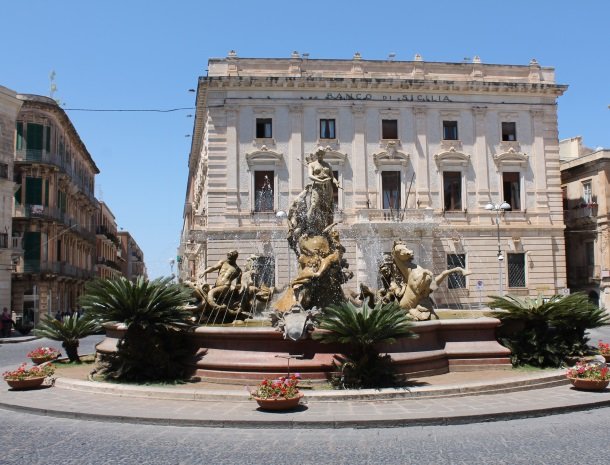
[264, 156]
[390, 155]
[451, 157]
[510, 157]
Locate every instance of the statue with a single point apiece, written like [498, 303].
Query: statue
[417, 282]
[321, 206]
[225, 302]
[315, 242]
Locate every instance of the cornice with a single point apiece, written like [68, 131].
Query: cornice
[376, 84]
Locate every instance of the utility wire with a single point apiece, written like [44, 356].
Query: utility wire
[127, 110]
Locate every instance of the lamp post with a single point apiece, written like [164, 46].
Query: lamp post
[499, 208]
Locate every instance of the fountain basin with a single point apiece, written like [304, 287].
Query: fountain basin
[245, 355]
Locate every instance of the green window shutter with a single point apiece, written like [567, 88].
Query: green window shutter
[19, 141]
[33, 191]
[48, 139]
[18, 191]
[34, 136]
[31, 246]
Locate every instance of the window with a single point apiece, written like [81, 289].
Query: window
[456, 280]
[34, 136]
[263, 128]
[327, 129]
[512, 189]
[450, 130]
[590, 259]
[587, 193]
[263, 191]
[264, 271]
[3, 240]
[19, 140]
[516, 270]
[389, 129]
[33, 191]
[452, 190]
[4, 170]
[509, 131]
[390, 190]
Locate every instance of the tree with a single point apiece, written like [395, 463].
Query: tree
[69, 330]
[155, 316]
[361, 330]
[544, 331]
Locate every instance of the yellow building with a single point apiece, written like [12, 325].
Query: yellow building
[54, 210]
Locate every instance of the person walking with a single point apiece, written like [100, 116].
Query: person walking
[7, 323]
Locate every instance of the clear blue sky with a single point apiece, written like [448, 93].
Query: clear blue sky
[144, 54]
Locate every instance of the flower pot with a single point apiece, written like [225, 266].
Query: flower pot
[28, 383]
[589, 384]
[607, 357]
[39, 360]
[280, 403]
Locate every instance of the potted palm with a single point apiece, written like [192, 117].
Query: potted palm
[592, 376]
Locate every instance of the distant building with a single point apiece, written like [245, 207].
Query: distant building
[9, 248]
[585, 177]
[54, 211]
[419, 149]
[107, 244]
[131, 257]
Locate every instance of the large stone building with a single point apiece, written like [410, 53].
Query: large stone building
[419, 149]
[585, 175]
[108, 245]
[9, 108]
[131, 257]
[54, 211]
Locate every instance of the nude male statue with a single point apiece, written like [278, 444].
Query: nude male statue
[228, 271]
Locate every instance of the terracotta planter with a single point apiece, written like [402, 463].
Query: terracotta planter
[607, 357]
[29, 383]
[589, 384]
[39, 360]
[279, 404]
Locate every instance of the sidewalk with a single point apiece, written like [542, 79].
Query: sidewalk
[520, 396]
[17, 339]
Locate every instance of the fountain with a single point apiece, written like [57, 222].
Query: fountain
[239, 353]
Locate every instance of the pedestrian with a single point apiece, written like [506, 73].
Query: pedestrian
[7, 323]
[58, 315]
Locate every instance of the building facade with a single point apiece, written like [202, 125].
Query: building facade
[107, 244]
[131, 257]
[585, 175]
[54, 211]
[9, 108]
[419, 149]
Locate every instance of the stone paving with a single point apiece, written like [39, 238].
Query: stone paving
[315, 412]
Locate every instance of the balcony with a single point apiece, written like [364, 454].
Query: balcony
[583, 212]
[107, 262]
[53, 269]
[53, 214]
[584, 275]
[42, 156]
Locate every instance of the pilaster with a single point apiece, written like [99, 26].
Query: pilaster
[420, 160]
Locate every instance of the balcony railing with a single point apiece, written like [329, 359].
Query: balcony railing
[42, 156]
[580, 213]
[53, 268]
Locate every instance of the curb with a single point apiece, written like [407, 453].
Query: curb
[314, 424]
[18, 339]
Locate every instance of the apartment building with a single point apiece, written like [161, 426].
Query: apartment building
[107, 244]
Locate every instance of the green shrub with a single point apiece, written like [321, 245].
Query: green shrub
[544, 331]
[69, 330]
[154, 347]
[360, 330]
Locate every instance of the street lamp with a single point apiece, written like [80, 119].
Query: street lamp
[499, 208]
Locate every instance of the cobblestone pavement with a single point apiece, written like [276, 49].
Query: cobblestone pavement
[556, 440]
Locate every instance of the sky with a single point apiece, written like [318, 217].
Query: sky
[146, 55]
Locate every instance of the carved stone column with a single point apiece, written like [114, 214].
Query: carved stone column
[359, 158]
[481, 158]
[538, 159]
[421, 159]
[296, 172]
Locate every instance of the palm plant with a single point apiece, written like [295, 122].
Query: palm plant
[544, 331]
[155, 315]
[68, 331]
[361, 330]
